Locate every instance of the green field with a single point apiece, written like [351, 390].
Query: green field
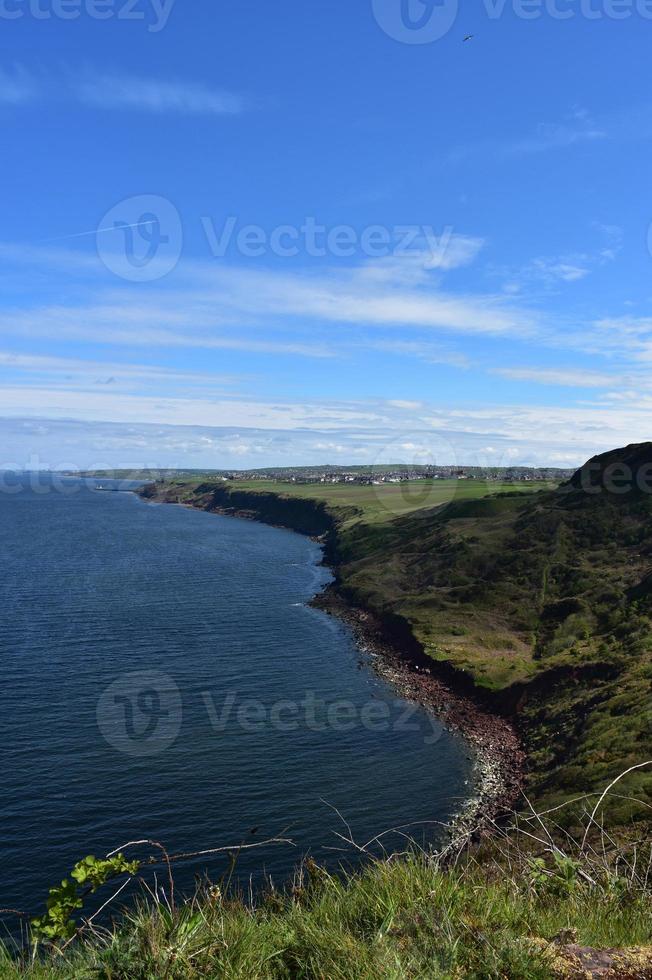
[387, 501]
[540, 596]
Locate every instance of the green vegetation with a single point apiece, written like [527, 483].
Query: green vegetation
[512, 916]
[350, 504]
[386, 501]
[66, 899]
[538, 598]
[539, 601]
[544, 602]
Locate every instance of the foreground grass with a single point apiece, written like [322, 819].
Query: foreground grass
[394, 919]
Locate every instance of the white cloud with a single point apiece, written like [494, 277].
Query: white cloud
[451, 251]
[399, 403]
[414, 259]
[263, 434]
[204, 297]
[86, 374]
[571, 378]
[157, 325]
[118, 91]
[550, 271]
[154, 95]
[555, 269]
[626, 326]
[16, 87]
[576, 128]
[430, 353]
[355, 298]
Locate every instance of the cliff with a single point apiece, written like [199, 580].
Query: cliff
[539, 606]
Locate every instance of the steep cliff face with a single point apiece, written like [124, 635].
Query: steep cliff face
[541, 605]
[310, 517]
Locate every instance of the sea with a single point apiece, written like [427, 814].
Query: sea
[164, 678]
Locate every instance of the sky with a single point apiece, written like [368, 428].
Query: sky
[261, 233]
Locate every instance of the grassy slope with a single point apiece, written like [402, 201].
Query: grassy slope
[540, 601]
[354, 504]
[545, 601]
[531, 594]
[400, 919]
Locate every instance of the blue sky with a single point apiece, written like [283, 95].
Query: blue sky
[261, 233]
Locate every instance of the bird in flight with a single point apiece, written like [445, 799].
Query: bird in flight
[469, 37]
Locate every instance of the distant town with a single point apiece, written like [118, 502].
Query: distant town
[356, 475]
[369, 476]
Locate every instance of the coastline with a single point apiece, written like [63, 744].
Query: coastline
[499, 758]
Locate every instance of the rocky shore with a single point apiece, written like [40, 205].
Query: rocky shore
[498, 756]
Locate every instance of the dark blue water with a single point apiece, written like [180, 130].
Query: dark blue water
[163, 677]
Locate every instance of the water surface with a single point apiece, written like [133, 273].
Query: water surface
[163, 677]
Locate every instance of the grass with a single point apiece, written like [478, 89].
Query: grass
[546, 595]
[505, 913]
[387, 501]
[540, 597]
[544, 602]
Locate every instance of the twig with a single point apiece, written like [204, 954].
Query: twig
[152, 843]
[641, 765]
[88, 922]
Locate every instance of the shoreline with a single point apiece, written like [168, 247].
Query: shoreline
[499, 759]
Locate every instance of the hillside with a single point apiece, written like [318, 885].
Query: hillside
[545, 603]
[539, 603]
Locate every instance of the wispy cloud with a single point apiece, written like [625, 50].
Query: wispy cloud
[17, 87]
[206, 296]
[357, 297]
[113, 91]
[430, 353]
[551, 271]
[576, 128]
[570, 377]
[108, 91]
[82, 374]
[417, 253]
[118, 322]
[169, 433]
